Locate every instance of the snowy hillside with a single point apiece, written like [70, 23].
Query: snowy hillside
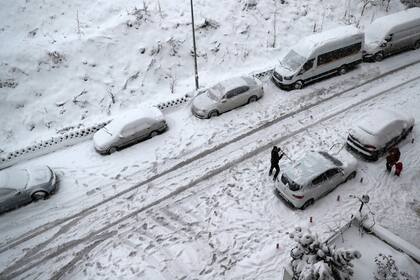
[68, 62]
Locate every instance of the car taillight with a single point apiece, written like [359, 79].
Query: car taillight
[370, 147]
[298, 196]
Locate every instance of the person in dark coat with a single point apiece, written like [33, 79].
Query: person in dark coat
[275, 158]
[392, 158]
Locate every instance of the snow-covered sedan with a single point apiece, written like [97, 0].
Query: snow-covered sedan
[21, 186]
[378, 131]
[226, 95]
[313, 176]
[128, 129]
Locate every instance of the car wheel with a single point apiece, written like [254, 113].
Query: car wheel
[252, 99]
[112, 150]
[153, 133]
[351, 176]
[39, 195]
[298, 85]
[379, 56]
[342, 70]
[307, 203]
[417, 45]
[213, 113]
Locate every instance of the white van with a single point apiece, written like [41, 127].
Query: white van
[392, 33]
[318, 56]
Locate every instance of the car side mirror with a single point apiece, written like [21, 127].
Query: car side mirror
[18, 193]
[383, 44]
[342, 172]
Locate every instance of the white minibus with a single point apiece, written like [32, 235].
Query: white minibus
[319, 55]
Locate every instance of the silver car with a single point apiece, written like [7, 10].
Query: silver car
[21, 186]
[226, 95]
[129, 129]
[313, 176]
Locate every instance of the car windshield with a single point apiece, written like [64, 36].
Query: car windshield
[292, 61]
[15, 179]
[331, 158]
[216, 92]
[290, 183]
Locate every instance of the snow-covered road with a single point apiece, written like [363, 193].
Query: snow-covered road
[88, 179]
[217, 191]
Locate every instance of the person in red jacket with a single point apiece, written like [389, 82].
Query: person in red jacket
[398, 168]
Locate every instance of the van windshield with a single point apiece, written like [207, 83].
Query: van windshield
[374, 35]
[292, 61]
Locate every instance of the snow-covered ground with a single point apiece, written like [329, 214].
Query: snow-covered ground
[64, 63]
[196, 201]
[212, 209]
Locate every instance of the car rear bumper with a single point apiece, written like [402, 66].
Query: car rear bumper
[291, 201]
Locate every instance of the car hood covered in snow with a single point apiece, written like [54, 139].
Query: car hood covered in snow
[203, 101]
[103, 138]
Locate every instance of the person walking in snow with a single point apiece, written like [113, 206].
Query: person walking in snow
[275, 158]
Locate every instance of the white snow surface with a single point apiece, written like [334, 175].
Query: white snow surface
[214, 216]
[69, 61]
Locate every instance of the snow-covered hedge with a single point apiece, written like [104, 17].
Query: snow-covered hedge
[174, 102]
[54, 143]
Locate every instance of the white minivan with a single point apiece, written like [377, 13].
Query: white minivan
[319, 55]
[391, 34]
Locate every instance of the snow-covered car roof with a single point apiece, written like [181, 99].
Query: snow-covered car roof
[312, 164]
[233, 83]
[307, 44]
[383, 25]
[14, 179]
[375, 122]
[144, 112]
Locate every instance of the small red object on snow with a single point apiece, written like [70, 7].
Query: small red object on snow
[398, 168]
[361, 180]
[310, 219]
[277, 246]
[338, 197]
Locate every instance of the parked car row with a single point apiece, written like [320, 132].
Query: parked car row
[340, 49]
[315, 57]
[318, 173]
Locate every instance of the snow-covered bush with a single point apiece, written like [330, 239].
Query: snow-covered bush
[388, 270]
[315, 260]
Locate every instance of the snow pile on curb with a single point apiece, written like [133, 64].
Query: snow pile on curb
[50, 145]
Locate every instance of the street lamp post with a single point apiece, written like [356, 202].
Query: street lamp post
[195, 50]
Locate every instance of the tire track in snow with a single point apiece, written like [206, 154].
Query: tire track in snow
[16, 270]
[46, 227]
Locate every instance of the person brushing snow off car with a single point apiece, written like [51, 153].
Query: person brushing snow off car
[275, 158]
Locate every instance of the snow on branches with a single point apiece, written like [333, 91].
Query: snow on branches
[315, 260]
[387, 269]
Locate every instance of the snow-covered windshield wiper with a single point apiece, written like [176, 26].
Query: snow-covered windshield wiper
[106, 130]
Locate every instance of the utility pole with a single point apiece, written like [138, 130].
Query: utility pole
[195, 50]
